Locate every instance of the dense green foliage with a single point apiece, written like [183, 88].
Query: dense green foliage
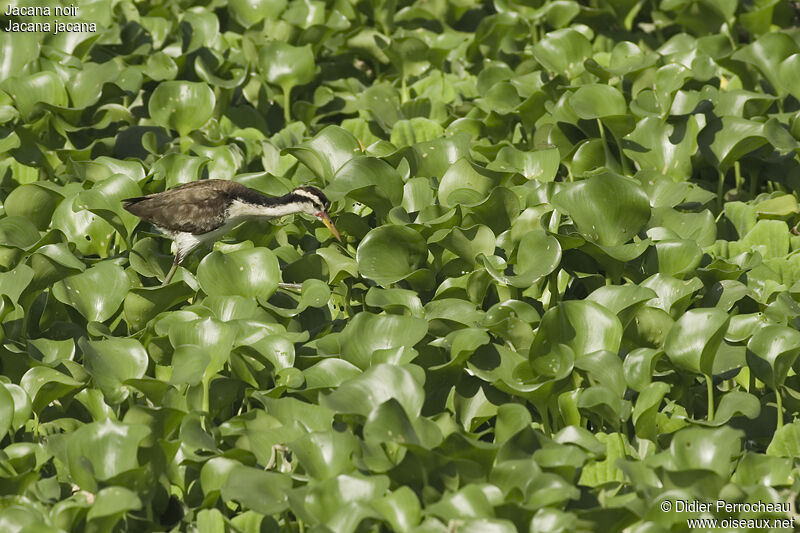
[568, 289]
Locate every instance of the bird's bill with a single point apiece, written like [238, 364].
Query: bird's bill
[326, 219]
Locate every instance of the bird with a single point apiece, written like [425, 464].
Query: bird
[200, 212]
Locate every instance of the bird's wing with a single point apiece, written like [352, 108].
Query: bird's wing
[197, 207]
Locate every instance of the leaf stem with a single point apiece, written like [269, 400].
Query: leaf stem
[779, 406]
[287, 101]
[710, 392]
[737, 176]
[720, 189]
[606, 148]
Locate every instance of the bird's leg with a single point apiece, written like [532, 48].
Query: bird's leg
[291, 286]
[172, 270]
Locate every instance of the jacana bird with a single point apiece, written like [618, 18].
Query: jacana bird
[200, 212]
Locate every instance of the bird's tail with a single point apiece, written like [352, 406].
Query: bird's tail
[128, 203]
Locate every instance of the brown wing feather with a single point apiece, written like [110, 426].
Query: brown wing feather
[197, 207]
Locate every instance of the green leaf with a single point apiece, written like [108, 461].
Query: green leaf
[365, 392]
[608, 209]
[563, 52]
[771, 352]
[181, 105]
[593, 101]
[401, 509]
[706, 449]
[112, 361]
[99, 451]
[726, 140]
[250, 12]
[325, 454]
[583, 326]
[285, 65]
[263, 492]
[244, 272]
[366, 333]
[113, 502]
[96, 293]
[391, 253]
[34, 89]
[693, 341]
[786, 441]
[464, 182]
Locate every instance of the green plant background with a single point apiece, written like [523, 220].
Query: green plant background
[568, 289]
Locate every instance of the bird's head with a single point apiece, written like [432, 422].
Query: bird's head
[315, 203]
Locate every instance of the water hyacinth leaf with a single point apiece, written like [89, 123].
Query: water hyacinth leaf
[18, 232]
[212, 335]
[17, 51]
[771, 353]
[699, 227]
[780, 206]
[726, 140]
[33, 89]
[540, 165]
[326, 152]
[112, 361]
[563, 52]
[33, 203]
[181, 105]
[366, 333]
[595, 101]
[370, 181]
[658, 145]
[470, 501]
[674, 257]
[784, 74]
[95, 293]
[694, 340]
[538, 255]
[189, 363]
[582, 326]
[393, 300]
[342, 502]
[325, 454]
[7, 407]
[466, 243]
[464, 183]
[250, 12]
[142, 304]
[408, 132]
[389, 254]
[286, 66]
[203, 29]
[244, 272]
[767, 53]
[706, 449]
[608, 209]
[43, 385]
[389, 423]
[113, 502]
[263, 492]
[647, 405]
[620, 298]
[785, 441]
[101, 450]
[401, 509]
[736, 403]
[365, 392]
[105, 200]
[14, 282]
